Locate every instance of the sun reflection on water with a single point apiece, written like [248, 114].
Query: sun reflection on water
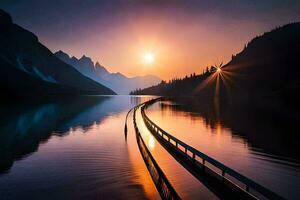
[151, 142]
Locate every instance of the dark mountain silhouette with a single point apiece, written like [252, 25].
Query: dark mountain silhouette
[269, 64]
[116, 81]
[28, 67]
[268, 67]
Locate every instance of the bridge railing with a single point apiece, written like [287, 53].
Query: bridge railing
[246, 184]
[161, 182]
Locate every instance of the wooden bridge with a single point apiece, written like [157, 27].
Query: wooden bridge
[225, 182]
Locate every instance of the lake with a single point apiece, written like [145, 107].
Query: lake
[75, 148]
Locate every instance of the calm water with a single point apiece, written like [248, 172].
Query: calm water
[71, 149]
[215, 135]
[76, 149]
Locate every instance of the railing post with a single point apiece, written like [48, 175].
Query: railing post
[247, 188]
[223, 175]
[194, 157]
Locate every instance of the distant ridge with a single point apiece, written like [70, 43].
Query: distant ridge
[29, 68]
[116, 81]
[268, 66]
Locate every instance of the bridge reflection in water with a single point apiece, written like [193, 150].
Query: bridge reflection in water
[161, 182]
[220, 179]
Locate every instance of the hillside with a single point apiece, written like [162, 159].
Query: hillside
[269, 63]
[175, 87]
[267, 66]
[116, 81]
[28, 67]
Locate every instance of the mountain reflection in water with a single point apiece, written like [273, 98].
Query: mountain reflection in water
[71, 148]
[266, 127]
[76, 148]
[258, 141]
[24, 127]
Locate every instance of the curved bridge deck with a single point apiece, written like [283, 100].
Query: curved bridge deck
[160, 180]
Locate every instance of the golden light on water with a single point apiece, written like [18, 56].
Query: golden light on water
[151, 142]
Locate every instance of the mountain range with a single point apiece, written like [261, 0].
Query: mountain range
[116, 81]
[28, 67]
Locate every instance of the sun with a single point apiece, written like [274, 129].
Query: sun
[148, 58]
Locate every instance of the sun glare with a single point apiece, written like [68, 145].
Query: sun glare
[148, 58]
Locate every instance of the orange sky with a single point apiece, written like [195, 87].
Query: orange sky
[179, 48]
[184, 36]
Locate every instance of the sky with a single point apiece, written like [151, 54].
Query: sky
[182, 36]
